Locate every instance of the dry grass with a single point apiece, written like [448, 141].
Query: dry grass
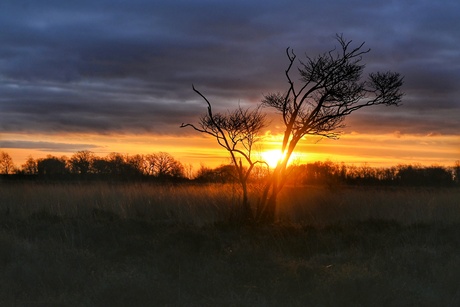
[190, 204]
[144, 245]
[211, 203]
[322, 206]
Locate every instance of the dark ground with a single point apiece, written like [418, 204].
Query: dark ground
[104, 260]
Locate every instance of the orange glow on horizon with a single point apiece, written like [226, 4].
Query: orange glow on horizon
[196, 150]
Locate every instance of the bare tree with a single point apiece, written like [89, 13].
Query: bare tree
[331, 87]
[51, 166]
[136, 164]
[164, 165]
[6, 163]
[149, 164]
[116, 163]
[236, 131]
[456, 171]
[30, 167]
[188, 171]
[81, 162]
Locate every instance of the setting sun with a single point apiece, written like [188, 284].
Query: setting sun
[271, 157]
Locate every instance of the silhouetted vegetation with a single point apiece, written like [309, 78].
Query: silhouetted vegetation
[331, 87]
[161, 166]
[85, 165]
[6, 163]
[329, 173]
[237, 132]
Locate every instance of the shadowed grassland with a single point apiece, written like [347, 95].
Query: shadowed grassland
[144, 245]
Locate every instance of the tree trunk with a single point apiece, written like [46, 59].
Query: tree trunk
[243, 213]
[266, 208]
[268, 214]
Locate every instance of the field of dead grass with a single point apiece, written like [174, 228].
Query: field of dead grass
[126, 244]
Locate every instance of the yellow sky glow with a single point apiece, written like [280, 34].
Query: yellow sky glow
[351, 148]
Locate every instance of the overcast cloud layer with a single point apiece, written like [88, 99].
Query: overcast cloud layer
[128, 66]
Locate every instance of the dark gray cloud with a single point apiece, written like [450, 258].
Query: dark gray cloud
[47, 146]
[128, 66]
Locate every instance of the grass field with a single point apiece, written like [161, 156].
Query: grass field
[151, 245]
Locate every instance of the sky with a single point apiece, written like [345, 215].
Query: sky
[116, 76]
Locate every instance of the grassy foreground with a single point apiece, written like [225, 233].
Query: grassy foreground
[142, 245]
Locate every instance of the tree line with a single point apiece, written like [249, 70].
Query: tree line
[85, 164]
[163, 166]
[332, 174]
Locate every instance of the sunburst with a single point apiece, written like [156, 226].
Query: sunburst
[271, 157]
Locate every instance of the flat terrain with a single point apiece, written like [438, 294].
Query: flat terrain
[141, 245]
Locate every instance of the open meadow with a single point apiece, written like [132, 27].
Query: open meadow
[143, 244]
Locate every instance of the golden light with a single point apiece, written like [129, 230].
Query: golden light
[271, 157]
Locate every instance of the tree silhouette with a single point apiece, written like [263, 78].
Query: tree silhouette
[136, 164]
[163, 165]
[81, 162]
[30, 167]
[101, 166]
[424, 176]
[220, 174]
[51, 166]
[6, 163]
[456, 171]
[236, 131]
[331, 87]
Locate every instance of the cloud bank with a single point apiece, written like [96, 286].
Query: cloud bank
[128, 66]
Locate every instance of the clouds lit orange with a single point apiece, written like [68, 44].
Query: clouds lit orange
[126, 85]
